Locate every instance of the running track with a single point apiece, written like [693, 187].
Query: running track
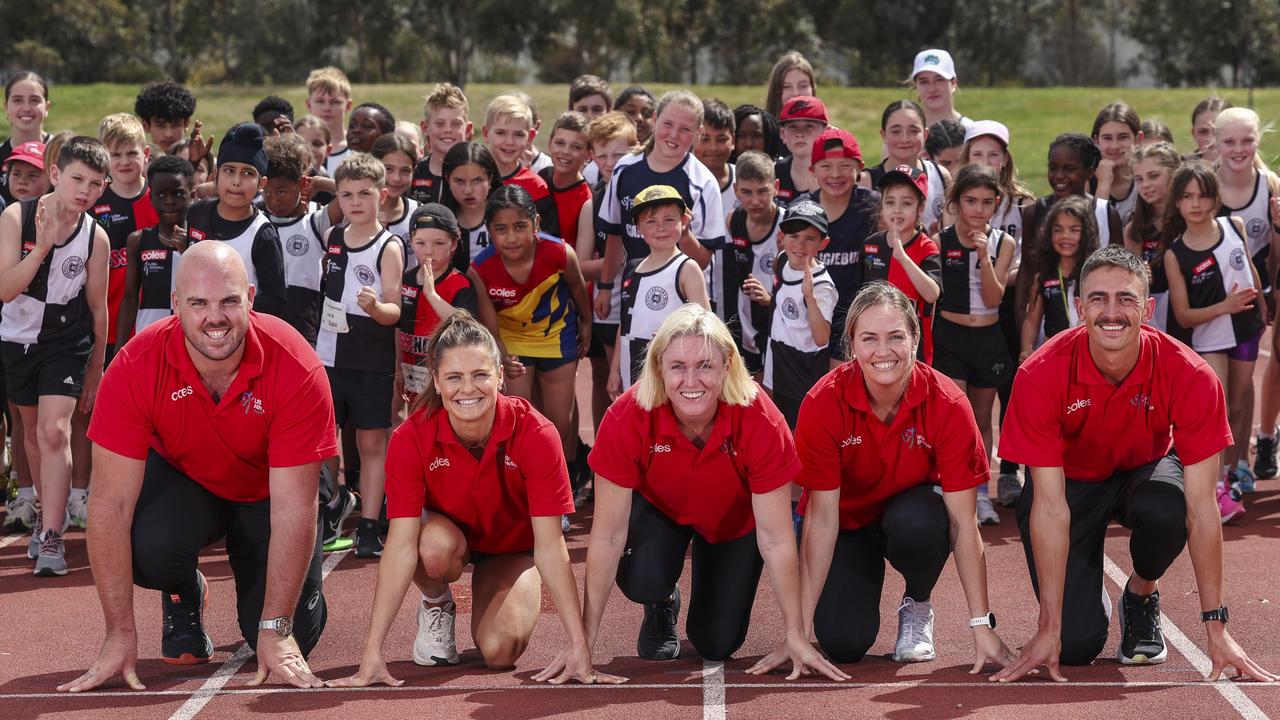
[50, 630]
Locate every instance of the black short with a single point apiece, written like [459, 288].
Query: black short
[754, 361]
[976, 356]
[479, 558]
[542, 364]
[33, 371]
[364, 396]
[603, 336]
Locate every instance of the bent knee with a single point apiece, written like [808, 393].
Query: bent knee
[1082, 650]
[715, 646]
[845, 647]
[500, 652]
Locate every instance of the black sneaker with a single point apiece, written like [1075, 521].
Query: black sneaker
[580, 474]
[1141, 642]
[184, 641]
[368, 544]
[658, 640]
[1264, 467]
[336, 514]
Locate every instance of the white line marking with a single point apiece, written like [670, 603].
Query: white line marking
[712, 690]
[1230, 692]
[214, 685]
[8, 540]
[1026, 686]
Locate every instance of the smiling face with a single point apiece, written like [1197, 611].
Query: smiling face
[1152, 179]
[883, 346]
[802, 243]
[1067, 172]
[693, 374]
[507, 139]
[171, 196]
[935, 92]
[836, 176]
[1065, 234]
[212, 298]
[988, 152]
[467, 378]
[569, 151]
[26, 107]
[513, 232]
[1116, 141]
[661, 226]
[469, 185]
[399, 169]
[434, 249]
[900, 209]
[1114, 304]
[445, 128]
[674, 132]
[714, 147]
[363, 129]
[639, 109]
[904, 136]
[1237, 145]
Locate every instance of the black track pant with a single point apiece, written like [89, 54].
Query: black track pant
[176, 518]
[1150, 502]
[724, 577]
[914, 536]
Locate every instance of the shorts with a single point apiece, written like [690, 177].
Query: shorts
[754, 361]
[1246, 351]
[362, 396]
[976, 356]
[603, 337]
[478, 558]
[33, 371]
[545, 364]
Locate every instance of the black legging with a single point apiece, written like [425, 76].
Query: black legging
[914, 536]
[176, 518]
[723, 581]
[1150, 502]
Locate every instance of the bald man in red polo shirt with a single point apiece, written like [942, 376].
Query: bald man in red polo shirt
[210, 425]
[1118, 421]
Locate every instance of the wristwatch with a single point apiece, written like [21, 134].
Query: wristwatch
[989, 620]
[282, 625]
[1220, 615]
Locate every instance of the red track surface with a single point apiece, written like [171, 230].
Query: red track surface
[50, 630]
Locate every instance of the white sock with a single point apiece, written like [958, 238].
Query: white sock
[1268, 435]
[445, 596]
[79, 493]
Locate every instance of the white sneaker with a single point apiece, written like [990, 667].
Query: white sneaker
[434, 644]
[986, 513]
[20, 514]
[915, 632]
[78, 509]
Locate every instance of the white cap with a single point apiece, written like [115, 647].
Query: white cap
[938, 61]
[987, 127]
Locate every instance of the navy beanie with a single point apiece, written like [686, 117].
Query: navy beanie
[243, 144]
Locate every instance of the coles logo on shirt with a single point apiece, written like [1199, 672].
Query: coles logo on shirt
[423, 182]
[408, 292]
[196, 234]
[149, 255]
[1203, 271]
[955, 257]
[502, 293]
[1080, 404]
[335, 249]
[101, 209]
[438, 463]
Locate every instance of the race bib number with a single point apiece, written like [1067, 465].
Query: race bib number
[415, 377]
[334, 317]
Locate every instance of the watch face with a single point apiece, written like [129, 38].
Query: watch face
[992, 618]
[285, 628]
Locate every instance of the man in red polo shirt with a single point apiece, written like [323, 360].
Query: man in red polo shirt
[1117, 421]
[211, 424]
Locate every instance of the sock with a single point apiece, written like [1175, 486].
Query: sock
[81, 493]
[445, 596]
[982, 490]
[27, 492]
[1267, 435]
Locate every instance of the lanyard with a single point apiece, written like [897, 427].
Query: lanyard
[1066, 306]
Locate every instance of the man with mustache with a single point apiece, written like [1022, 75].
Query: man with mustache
[212, 424]
[1117, 421]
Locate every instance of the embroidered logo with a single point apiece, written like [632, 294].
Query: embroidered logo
[249, 402]
[72, 266]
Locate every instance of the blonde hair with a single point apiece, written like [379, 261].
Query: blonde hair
[508, 106]
[315, 123]
[118, 128]
[361, 166]
[410, 132]
[692, 319]
[611, 125]
[1241, 116]
[328, 81]
[681, 98]
[444, 95]
[53, 148]
[875, 294]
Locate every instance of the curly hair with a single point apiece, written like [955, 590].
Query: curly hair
[165, 100]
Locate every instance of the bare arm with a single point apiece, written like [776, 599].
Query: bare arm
[690, 246]
[694, 285]
[1031, 325]
[996, 273]
[16, 272]
[920, 280]
[387, 310]
[96, 297]
[817, 545]
[293, 535]
[128, 317]
[609, 526]
[586, 244]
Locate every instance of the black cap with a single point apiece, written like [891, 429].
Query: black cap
[243, 144]
[434, 216]
[805, 212]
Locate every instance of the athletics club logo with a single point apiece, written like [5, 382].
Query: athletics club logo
[365, 275]
[1237, 259]
[656, 298]
[72, 266]
[790, 308]
[296, 245]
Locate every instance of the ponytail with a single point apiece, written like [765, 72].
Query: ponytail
[460, 329]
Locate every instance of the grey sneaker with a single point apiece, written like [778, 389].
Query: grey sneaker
[986, 513]
[52, 559]
[915, 632]
[435, 644]
[1008, 489]
[33, 543]
[20, 514]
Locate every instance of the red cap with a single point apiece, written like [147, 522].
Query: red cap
[31, 153]
[914, 176]
[803, 107]
[835, 143]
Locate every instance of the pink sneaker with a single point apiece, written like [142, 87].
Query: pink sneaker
[1229, 505]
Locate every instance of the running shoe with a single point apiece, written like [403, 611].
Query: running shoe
[434, 643]
[184, 641]
[915, 632]
[565, 524]
[1141, 642]
[1008, 489]
[986, 513]
[580, 475]
[78, 509]
[1229, 505]
[336, 514]
[20, 514]
[1244, 479]
[368, 544]
[658, 639]
[51, 558]
[33, 543]
[1264, 466]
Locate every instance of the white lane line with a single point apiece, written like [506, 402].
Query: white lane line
[1230, 691]
[8, 540]
[214, 685]
[712, 690]
[1024, 686]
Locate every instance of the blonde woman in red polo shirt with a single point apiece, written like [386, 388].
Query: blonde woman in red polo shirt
[475, 476]
[892, 460]
[696, 453]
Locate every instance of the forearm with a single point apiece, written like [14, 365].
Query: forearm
[110, 547]
[779, 552]
[128, 318]
[552, 560]
[293, 540]
[1204, 530]
[395, 572]
[1050, 527]
[920, 280]
[817, 547]
[441, 307]
[603, 554]
[819, 326]
[613, 259]
[1031, 328]
[971, 564]
[16, 280]
[98, 355]
[385, 313]
[992, 288]
[690, 246]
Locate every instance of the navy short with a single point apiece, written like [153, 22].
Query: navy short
[362, 396]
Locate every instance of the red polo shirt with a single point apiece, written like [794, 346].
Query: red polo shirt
[932, 439]
[277, 413]
[521, 475]
[750, 450]
[1063, 413]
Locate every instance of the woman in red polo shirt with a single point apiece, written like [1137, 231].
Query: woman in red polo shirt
[891, 459]
[475, 476]
[695, 452]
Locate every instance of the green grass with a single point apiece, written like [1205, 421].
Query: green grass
[1034, 116]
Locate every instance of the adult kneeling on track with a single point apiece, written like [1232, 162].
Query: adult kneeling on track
[475, 476]
[210, 425]
[892, 460]
[1117, 421]
[695, 452]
